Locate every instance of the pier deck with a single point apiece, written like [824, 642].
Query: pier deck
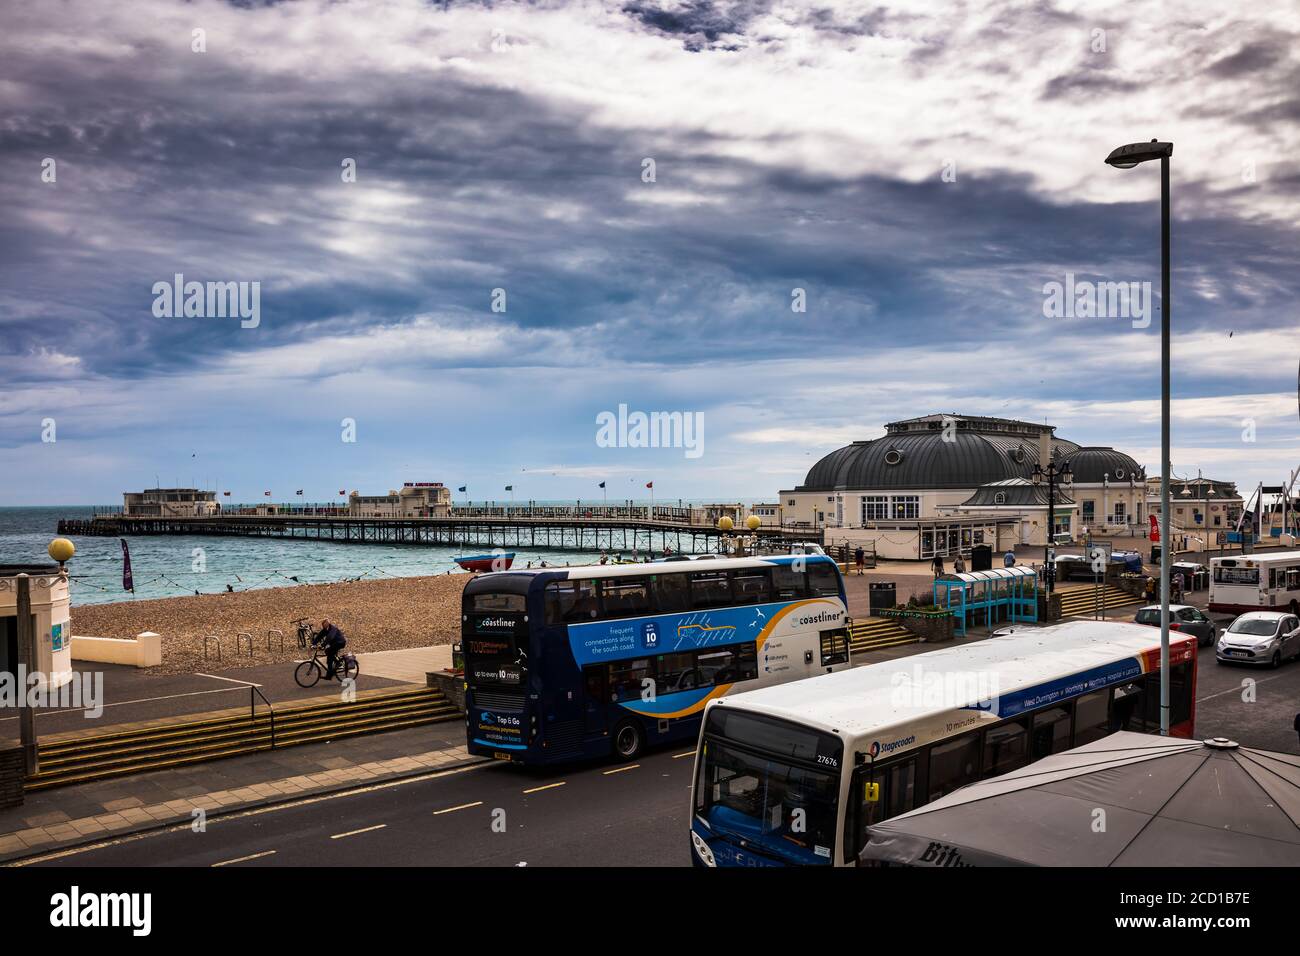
[517, 530]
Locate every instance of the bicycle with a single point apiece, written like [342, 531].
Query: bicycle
[309, 672]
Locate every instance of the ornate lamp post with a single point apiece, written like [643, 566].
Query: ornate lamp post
[1052, 473]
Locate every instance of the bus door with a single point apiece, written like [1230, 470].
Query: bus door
[596, 699]
[878, 793]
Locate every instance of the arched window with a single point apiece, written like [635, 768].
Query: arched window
[1000, 498]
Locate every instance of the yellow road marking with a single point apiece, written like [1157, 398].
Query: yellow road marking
[463, 806]
[689, 753]
[621, 769]
[245, 859]
[547, 787]
[340, 836]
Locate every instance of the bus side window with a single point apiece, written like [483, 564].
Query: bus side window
[1180, 695]
[835, 647]
[1006, 747]
[670, 593]
[626, 597]
[570, 602]
[710, 589]
[1126, 711]
[787, 583]
[953, 764]
[752, 586]
[823, 579]
[1091, 719]
[1051, 731]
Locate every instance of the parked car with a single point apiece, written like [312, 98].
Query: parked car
[1260, 637]
[1182, 617]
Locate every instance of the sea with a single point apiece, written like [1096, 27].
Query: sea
[172, 566]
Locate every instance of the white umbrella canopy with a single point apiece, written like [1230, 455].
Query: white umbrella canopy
[1125, 800]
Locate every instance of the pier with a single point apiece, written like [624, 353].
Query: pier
[626, 529]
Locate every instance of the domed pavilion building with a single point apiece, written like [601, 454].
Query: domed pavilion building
[942, 484]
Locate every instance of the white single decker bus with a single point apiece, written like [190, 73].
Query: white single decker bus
[1256, 582]
[795, 774]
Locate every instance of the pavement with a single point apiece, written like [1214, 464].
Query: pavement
[89, 813]
[134, 695]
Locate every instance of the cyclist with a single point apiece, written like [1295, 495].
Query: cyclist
[333, 641]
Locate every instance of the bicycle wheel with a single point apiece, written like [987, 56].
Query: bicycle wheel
[307, 674]
[348, 668]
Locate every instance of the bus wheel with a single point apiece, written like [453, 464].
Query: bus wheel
[628, 741]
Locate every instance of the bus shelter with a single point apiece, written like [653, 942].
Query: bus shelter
[987, 597]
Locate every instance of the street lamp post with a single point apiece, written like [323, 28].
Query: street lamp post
[1126, 157]
[1051, 473]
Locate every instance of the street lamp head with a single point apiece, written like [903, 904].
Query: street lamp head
[1126, 157]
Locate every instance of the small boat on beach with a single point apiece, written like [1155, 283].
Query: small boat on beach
[500, 561]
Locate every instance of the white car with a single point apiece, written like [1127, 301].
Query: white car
[1260, 637]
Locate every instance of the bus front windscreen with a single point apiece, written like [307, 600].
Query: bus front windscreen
[495, 639]
[770, 784]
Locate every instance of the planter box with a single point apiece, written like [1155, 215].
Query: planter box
[929, 626]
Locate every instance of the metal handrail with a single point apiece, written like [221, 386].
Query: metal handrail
[211, 637]
[269, 632]
[239, 642]
[252, 708]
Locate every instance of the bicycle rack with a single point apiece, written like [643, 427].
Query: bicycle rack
[211, 637]
[252, 709]
[274, 631]
[239, 642]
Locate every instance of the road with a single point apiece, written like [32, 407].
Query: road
[597, 815]
[489, 814]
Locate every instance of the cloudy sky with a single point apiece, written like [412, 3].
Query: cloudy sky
[921, 170]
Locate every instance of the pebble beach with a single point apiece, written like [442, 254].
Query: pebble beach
[375, 615]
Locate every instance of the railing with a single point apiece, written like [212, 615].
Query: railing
[252, 708]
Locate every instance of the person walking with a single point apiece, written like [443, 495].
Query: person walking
[1009, 559]
[937, 566]
[860, 559]
[958, 565]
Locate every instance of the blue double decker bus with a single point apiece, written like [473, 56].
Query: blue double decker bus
[578, 663]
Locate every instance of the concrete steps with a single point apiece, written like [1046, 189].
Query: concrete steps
[114, 754]
[874, 633]
[1083, 601]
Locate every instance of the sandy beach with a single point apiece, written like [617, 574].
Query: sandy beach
[376, 615]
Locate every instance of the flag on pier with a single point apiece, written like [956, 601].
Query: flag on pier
[510, 487]
[649, 484]
[602, 484]
[226, 493]
[342, 492]
[128, 582]
[463, 488]
[298, 492]
[267, 493]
